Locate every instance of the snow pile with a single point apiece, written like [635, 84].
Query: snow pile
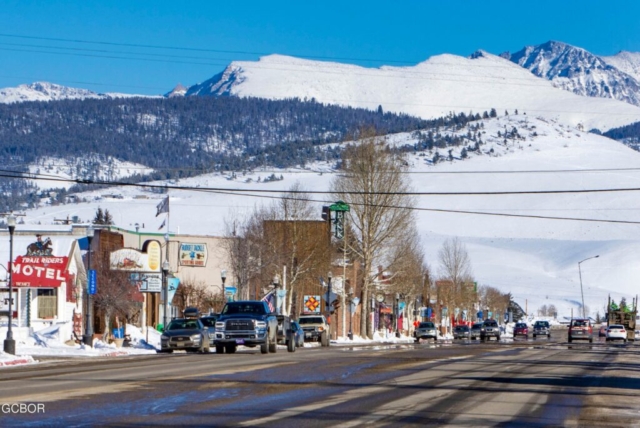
[8, 360]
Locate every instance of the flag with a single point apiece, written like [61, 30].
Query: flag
[163, 223]
[163, 207]
[270, 299]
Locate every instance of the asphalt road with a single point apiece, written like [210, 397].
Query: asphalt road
[510, 383]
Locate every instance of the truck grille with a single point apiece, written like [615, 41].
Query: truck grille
[240, 325]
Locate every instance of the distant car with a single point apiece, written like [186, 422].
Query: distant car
[476, 330]
[542, 328]
[616, 332]
[490, 329]
[426, 330]
[603, 331]
[521, 329]
[580, 329]
[185, 334]
[209, 321]
[298, 333]
[461, 332]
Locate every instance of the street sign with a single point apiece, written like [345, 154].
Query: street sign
[93, 281]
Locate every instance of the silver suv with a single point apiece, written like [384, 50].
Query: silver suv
[490, 329]
[426, 330]
[316, 328]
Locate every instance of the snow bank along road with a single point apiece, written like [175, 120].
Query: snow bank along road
[512, 384]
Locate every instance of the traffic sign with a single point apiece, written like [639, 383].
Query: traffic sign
[93, 281]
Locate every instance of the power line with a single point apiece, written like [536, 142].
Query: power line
[243, 192]
[17, 174]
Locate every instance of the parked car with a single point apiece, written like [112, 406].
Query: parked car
[185, 334]
[580, 329]
[461, 332]
[298, 333]
[603, 331]
[542, 328]
[490, 329]
[616, 332]
[521, 329]
[209, 321]
[426, 330]
[476, 330]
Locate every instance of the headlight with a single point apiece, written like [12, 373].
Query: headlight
[195, 338]
[261, 324]
[164, 337]
[320, 328]
[220, 325]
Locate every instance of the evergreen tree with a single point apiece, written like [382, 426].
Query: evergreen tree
[99, 218]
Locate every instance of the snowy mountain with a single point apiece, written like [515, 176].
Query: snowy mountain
[44, 91]
[533, 258]
[433, 88]
[579, 71]
[627, 62]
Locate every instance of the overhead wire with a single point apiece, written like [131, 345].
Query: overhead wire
[266, 193]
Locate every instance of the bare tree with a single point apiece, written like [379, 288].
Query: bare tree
[115, 295]
[455, 268]
[375, 188]
[198, 295]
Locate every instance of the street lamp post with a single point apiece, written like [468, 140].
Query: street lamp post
[350, 313]
[397, 314]
[223, 277]
[9, 342]
[580, 274]
[87, 338]
[329, 276]
[165, 283]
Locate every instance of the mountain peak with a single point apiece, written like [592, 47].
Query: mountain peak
[178, 91]
[577, 70]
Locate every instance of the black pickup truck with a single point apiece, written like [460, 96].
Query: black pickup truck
[248, 323]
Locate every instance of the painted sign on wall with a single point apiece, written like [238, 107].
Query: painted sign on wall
[137, 261]
[193, 254]
[39, 271]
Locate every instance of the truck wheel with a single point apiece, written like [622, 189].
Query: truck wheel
[498, 338]
[219, 349]
[534, 336]
[324, 339]
[273, 345]
[264, 347]
[569, 339]
[291, 345]
[230, 348]
[590, 340]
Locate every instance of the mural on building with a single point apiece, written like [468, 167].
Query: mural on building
[40, 247]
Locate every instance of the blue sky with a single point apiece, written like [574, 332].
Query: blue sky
[211, 34]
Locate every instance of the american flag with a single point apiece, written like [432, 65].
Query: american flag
[270, 299]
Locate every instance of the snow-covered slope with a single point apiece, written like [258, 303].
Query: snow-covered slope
[433, 88]
[79, 169]
[44, 91]
[628, 62]
[534, 258]
[579, 71]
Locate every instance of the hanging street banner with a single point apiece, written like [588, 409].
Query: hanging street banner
[93, 281]
[311, 304]
[39, 271]
[193, 254]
